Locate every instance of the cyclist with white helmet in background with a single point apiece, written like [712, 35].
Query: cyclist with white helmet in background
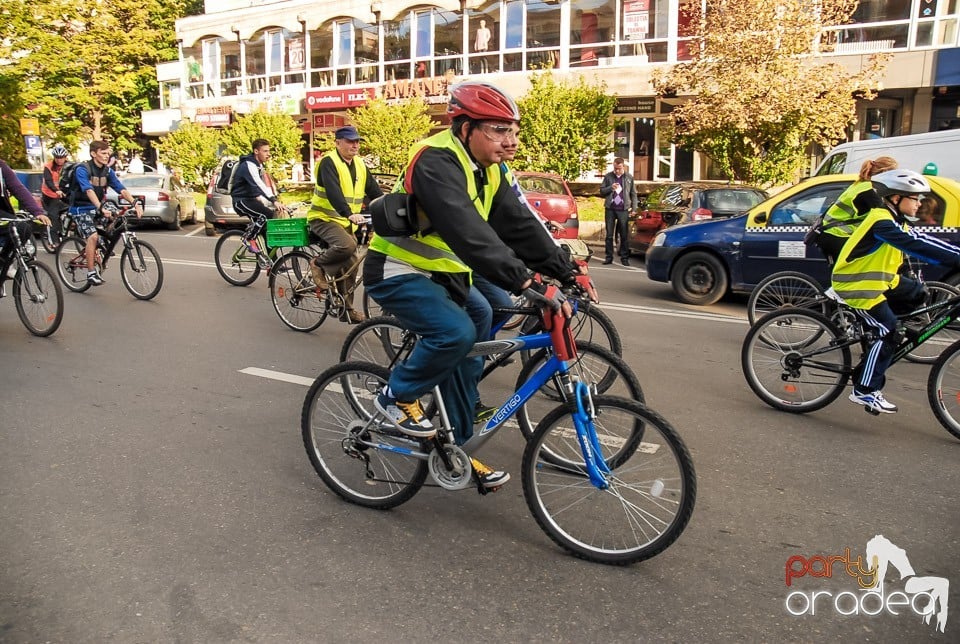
[866, 275]
[471, 220]
[52, 198]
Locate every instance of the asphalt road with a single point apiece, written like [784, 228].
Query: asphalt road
[153, 491]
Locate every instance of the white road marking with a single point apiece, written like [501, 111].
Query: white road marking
[278, 375]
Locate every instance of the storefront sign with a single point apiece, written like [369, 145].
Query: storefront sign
[326, 122]
[636, 19]
[296, 61]
[218, 116]
[335, 99]
[432, 90]
[635, 105]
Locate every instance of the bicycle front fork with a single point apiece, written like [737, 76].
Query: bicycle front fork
[583, 420]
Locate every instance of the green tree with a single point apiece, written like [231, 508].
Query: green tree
[11, 107]
[88, 68]
[564, 128]
[192, 148]
[388, 130]
[759, 90]
[280, 130]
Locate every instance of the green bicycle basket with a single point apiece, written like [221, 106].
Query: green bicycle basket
[287, 232]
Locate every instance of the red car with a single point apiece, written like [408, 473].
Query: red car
[551, 196]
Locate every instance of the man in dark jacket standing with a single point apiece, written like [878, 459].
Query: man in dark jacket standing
[619, 200]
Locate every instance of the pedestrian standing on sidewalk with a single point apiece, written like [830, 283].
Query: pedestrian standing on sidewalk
[619, 201]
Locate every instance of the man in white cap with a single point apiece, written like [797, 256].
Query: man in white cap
[342, 184]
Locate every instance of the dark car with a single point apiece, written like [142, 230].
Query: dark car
[32, 179]
[704, 260]
[218, 213]
[680, 203]
[551, 196]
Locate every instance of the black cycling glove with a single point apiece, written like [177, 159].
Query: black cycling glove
[536, 294]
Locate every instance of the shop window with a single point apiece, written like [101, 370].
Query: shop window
[321, 65]
[396, 48]
[592, 31]
[484, 38]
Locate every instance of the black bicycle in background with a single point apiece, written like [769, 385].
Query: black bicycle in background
[36, 292]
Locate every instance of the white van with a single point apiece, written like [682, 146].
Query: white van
[912, 151]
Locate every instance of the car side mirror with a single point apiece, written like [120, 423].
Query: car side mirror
[761, 218]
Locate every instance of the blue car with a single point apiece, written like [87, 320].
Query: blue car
[705, 260]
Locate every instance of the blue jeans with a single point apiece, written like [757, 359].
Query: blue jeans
[447, 333]
[496, 297]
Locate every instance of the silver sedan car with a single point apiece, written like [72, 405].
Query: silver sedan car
[162, 201]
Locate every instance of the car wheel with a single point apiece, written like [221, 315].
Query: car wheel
[175, 224]
[699, 278]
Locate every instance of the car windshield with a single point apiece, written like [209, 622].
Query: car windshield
[143, 181]
[543, 185]
[728, 200]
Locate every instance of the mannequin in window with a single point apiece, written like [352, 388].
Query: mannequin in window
[194, 76]
[482, 43]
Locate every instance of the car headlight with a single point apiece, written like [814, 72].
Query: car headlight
[660, 239]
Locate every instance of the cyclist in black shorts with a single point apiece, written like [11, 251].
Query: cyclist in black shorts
[254, 193]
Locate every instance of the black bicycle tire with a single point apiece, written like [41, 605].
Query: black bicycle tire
[126, 263]
[935, 393]
[531, 469]
[78, 246]
[18, 293]
[750, 372]
[275, 274]
[953, 291]
[348, 348]
[764, 286]
[255, 266]
[330, 480]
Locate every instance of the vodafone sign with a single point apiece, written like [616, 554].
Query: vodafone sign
[333, 99]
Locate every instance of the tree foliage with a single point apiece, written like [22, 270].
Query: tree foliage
[564, 128]
[279, 129]
[760, 91]
[87, 69]
[388, 130]
[12, 149]
[192, 148]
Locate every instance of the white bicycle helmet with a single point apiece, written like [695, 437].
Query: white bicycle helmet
[899, 182]
[59, 151]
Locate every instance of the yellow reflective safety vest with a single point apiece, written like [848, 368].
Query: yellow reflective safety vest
[320, 206]
[426, 250]
[841, 219]
[862, 282]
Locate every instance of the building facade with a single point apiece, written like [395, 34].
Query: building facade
[315, 59]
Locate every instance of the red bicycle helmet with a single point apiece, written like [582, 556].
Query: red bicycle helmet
[481, 101]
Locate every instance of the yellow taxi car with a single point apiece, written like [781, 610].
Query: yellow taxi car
[705, 260]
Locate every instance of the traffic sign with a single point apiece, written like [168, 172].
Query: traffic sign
[30, 126]
[33, 145]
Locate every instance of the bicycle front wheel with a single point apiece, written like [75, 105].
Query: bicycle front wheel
[943, 389]
[235, 262]
[649, 496]
[378, 340]
[72, 264]
[795, 360]
[786, 289]
[362, 461]
[294, 294]
[39, 299]
[929, 351]
[141, 270]
[595, 366]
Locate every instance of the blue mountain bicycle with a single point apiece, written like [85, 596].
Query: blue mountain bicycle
[605, 477]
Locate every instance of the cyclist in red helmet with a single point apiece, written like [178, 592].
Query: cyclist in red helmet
[470, 220]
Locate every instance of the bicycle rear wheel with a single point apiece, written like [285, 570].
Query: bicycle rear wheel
[786, 289]
[929, 351]
[141, 270]
[235, 262]
[39, 299]
[370, 307]
[294, 294]
[590, 324]
[72, 265]
[378, 340]
[795, 360]
[361, 461]
[943, 389]
[651, 494]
